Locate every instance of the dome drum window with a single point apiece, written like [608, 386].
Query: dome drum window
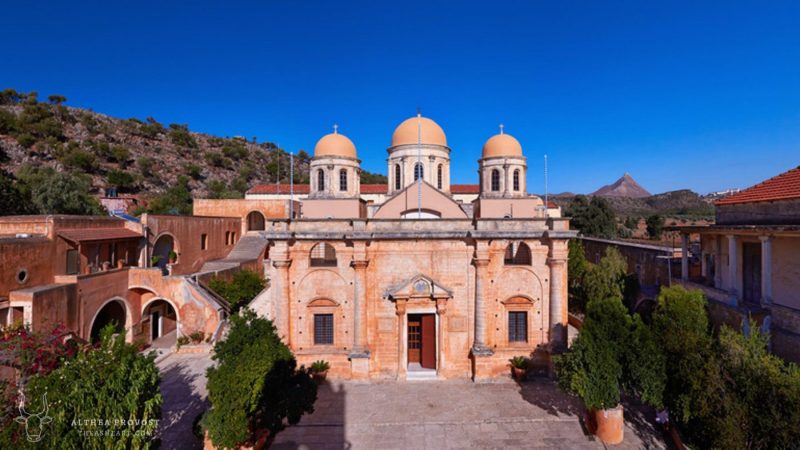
[397, 176]
[495, 180]
[516, 180]
[439, 177]
[419, 171]
[343, 180]
[320, 180]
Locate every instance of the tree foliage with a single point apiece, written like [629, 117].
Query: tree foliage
[177, 200]
[113, 382]
[255, 384]
[655, 226]
[240, 290]
[613, 352]
[592, 218]
[51, 192]
[606, 279]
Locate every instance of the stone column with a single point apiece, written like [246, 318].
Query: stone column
[359, 307]
[558, 332]
[402, 353]
[733, 263]
[282, 302]
[766, 270]
[684, 257]
[479, 341]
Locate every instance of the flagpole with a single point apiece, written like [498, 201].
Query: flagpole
[419, 164]
[291, 185]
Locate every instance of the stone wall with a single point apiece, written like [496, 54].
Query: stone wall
[784, 212]
[187, 233]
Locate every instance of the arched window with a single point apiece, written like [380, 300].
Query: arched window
[343, 180]
[439, 176]
[495, 180]
[419, 171]
[320, 180]
[397, 176]
[323, 255]
[517, 253]
[516, 180]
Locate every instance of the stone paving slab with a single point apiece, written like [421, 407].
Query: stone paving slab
[452, 414]
[183, 386]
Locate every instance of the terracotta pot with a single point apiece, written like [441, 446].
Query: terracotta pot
[319, 377]
[120, 264]
[519, 373]
[608, 424]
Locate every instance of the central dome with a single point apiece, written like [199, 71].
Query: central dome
[501, 145]
[428, 132]
[335, 144]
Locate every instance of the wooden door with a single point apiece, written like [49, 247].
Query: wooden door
[751, 272]
[414, 339]
[428, 341]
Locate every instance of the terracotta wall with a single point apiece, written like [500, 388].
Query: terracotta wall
[271, 209]
[38, 256]
[448, 262]
[187, 232]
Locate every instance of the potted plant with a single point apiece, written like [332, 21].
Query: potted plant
[592, 369]
[319, 370]
[181, 341]
[155, 259]
[173, 257]
[197, 337]
[519, 367]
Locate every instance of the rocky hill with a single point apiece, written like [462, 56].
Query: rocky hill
[625, 187]
[680, 204]
[135, 156]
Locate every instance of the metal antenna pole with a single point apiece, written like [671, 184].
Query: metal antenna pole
[546, 202]
[291, 185]
[419, 164]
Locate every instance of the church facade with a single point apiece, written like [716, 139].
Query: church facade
[421, 284]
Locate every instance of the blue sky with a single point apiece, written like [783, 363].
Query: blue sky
[699, 95]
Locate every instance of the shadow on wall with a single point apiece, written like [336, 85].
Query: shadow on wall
[324, 428]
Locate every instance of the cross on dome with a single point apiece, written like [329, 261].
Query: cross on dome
[336, 128]
[502, 127]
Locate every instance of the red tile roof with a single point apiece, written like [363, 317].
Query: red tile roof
[465, 188]
[278, 189]
[98, 234]
[374, 188]
[782, 187]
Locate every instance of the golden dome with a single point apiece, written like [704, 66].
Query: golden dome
[429, 132]
[335, 144]
[502, 145]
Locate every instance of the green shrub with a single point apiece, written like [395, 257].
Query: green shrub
[179, 135]
[255, 384]
[194, 171]
[181, 341]
[113, 382]
[120, 179]
[120, 155]
[216, 159]
[320, 366]
[240, 290]
[54, 192]
[152, 128]
[234, 151]
[26, 140]
[177, 200]
[8, 122]
[613, 352]
[519, 362]
[145, 165]
[80, 160]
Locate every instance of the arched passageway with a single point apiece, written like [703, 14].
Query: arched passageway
[161, 250]
[113, 313]
[160, 323]
[255, 221]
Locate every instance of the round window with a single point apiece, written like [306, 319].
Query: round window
[22, 276]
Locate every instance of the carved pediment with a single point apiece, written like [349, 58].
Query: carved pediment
[418, 286]
[319, 302]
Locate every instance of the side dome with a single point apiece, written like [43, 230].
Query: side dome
[335, 144]
[501, 145]
[429, 132]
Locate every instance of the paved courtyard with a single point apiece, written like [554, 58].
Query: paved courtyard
[408, 415]
[444, 414]
[183, 385]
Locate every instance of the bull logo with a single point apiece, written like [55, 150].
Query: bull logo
[34, 423]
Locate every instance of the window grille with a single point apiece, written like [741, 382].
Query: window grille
[323, 329]
[517, 326]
